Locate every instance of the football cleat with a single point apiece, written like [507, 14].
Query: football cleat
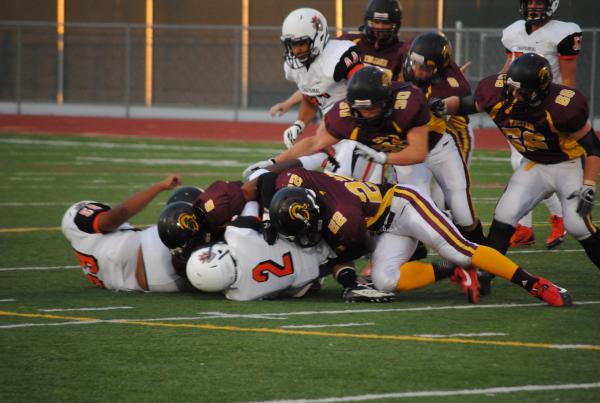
[523, 236]
[557, 235]
[467, 279]
[366, 293]
[485, 282]
[552, 294]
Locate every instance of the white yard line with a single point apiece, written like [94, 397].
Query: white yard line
[8, 300]
[138, 146]
[167, 161]
[444, 393]
[101, 308]
[441, 336]
[322, 326]
[273, 315]
[285, 315]
[37, 268]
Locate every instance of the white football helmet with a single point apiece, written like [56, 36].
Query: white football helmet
[212, 268]
[304, 24]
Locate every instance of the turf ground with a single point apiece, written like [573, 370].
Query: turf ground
[61, 339]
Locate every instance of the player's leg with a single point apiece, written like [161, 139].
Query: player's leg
[417, 175]
[417, 217]
[392, 270]
[523, 234]
[568, 177]
[557, 227]
[451, 172]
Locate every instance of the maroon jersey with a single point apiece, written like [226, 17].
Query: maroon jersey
[348, 208]
[410, 109]
[451, 83]
[388, 58]
[541, 134]
[220, 202]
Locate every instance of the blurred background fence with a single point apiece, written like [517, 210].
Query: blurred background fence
[193, 67]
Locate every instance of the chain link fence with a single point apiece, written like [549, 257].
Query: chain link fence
[196, 66]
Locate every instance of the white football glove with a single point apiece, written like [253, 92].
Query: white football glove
[256, 166]
[585, 196]
[367, 152]
[290, 135]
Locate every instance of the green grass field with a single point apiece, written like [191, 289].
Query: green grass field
[61, 339]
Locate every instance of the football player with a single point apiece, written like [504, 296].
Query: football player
[391, 124]
[246, 268]
[548, 124]
[377, 40]
[319, 66]
[341, 211]
[429, 66]
[117, 256]
[559, 42]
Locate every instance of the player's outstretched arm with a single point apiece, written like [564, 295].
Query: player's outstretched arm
[280, 108]
[115, 217]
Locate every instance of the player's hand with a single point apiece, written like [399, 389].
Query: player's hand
[585, 204]
[256, 166]
[290, 135]
[438, 107]
[279, 109]
[171, 181]
[367, 152]
[269, 232]
[465, 67]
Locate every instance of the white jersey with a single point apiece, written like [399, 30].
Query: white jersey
[554, 40]
[265, 270]
[317, 82]
[109, 260]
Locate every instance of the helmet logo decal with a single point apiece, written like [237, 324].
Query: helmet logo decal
[545, 76]
[446, 52]
[188, 221]
[317, 24]
[299, 211]
[386, 78]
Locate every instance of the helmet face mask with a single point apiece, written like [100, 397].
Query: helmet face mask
[212, 268]
[296, 216]
[537, 12]
[527, 82]
[429, 56]
[182, 225]
[369, 96]
[382, 21]
[304, 25]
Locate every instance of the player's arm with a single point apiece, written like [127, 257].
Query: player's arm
[281, 108]
[507, 62]
[568, 71]
[307, 111]
[309, 145]
[568, 49]
[457, 106]
[417, 149]
[588, 139]
[114, 218]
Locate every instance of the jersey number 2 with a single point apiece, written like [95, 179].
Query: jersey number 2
[260, 273]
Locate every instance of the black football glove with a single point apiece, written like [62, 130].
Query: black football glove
[269, 232]
[585, 204]
[438, 107]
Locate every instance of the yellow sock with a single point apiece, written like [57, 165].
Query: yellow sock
[415, 275]
[494, 262]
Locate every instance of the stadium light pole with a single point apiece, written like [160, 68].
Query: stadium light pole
[339, 17]
[440, 15]
[245, 55]
[149, 45]
[60, 48]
